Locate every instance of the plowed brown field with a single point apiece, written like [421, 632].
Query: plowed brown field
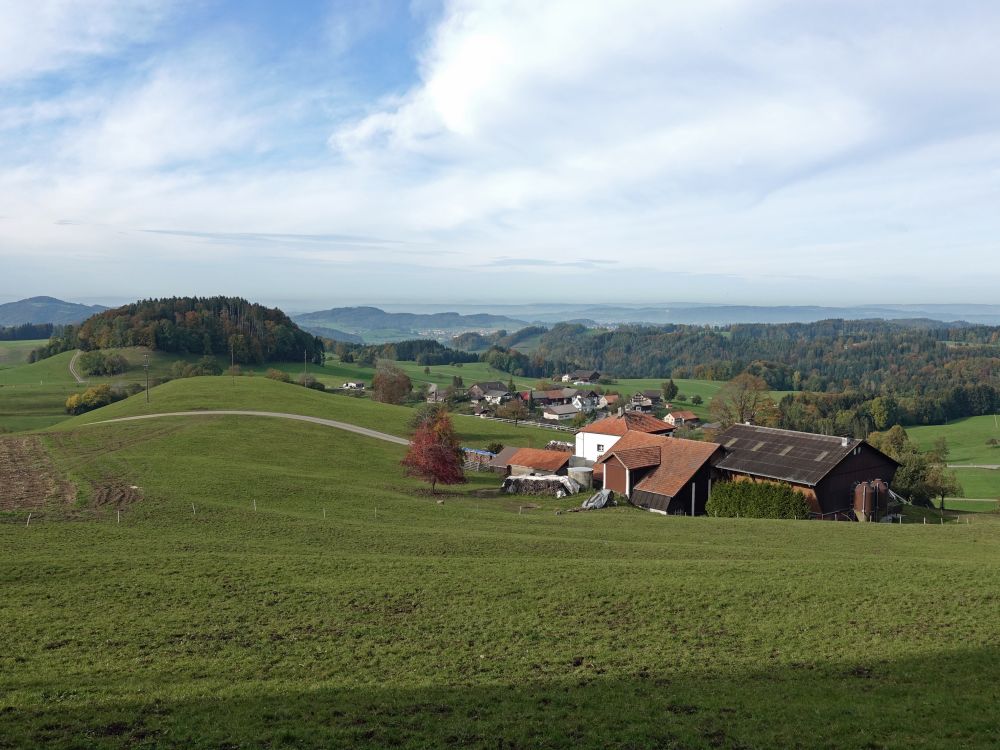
[27, 477]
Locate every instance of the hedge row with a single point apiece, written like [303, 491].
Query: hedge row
[756, 500]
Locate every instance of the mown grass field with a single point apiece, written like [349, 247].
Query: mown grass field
[398, 621]
[13, 353]
[967, 439]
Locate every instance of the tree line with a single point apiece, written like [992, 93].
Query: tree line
[26, 332]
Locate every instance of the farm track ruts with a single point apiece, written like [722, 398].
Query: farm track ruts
[28, 479]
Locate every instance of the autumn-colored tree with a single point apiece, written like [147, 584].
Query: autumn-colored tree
[745, 398]
[390, 385]
[434, 454]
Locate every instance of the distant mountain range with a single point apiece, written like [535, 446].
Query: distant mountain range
[713, 314]
[45, 310]
[376, 326]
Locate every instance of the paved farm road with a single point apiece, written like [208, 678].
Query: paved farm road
[275, 414]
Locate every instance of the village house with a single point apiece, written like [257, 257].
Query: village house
[553, 396]
[682, 418]
[560, 412]
[661, 474]
[478, 391]
[645, 401]
[598, 437]
[608, 401]
[581, 376]
[586, 401]
[837, 475]
[527, 461]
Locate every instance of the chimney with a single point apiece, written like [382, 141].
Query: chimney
[844, 441]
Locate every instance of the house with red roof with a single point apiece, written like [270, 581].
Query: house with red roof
[598, 437]
[661, 474]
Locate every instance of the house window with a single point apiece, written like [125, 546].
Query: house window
[600, 447]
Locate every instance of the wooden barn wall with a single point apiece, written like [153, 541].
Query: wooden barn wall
[614, 477]
[836, 490]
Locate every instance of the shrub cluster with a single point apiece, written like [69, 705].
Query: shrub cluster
[102, 363]
[93, 398]
[756, 500]
[204, 366]
[310, 382]
[280, 375]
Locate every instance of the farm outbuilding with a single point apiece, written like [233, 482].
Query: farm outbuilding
[538, 461]
[824, 468]
[661, 474]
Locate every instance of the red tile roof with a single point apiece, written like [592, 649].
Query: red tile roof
[639, 458]
[537, 458]
[629, 422]
[632, 440]
[680, 461]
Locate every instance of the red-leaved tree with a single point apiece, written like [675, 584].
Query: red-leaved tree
[434, 454]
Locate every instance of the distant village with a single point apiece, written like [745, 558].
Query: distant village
[639, 447]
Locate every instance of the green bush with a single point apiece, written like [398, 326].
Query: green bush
[99, 363]
[93, 398]
[756, 500]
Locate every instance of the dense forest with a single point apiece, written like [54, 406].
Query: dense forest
[251, 333]
[846, 376]
[421, 351]
[26, 332]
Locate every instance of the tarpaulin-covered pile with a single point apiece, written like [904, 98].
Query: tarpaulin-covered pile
[600, 499]
[551, 484]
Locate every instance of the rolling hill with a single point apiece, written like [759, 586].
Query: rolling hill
[45, 310]
[376, 326]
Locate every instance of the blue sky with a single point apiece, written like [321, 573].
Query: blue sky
[316, 154]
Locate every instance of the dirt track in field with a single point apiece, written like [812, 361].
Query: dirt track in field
[27, 477]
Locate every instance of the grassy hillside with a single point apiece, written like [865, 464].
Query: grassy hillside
[206, 393]
[14, 353]
[704, 388]
[33, 396]
[967, 439]
[466, 624]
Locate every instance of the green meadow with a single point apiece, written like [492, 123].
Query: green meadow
[13, 353]
[352, 609]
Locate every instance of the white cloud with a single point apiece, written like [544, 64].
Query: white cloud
[749, 137]
[40, 36]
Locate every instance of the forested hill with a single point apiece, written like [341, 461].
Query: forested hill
[195, 325]
[45, 310]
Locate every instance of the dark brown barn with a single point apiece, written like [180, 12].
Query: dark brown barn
[827, 470]
[662, 474]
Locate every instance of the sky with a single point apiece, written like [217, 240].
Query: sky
[318, 154]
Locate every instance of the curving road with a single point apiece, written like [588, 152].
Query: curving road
[72, 366]
[274, 414]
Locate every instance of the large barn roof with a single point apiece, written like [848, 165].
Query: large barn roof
[786, 455]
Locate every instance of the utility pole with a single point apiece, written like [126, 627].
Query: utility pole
[145, 366]
[232, 360]
[304, 369]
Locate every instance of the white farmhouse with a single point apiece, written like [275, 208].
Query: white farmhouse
[598, 437]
